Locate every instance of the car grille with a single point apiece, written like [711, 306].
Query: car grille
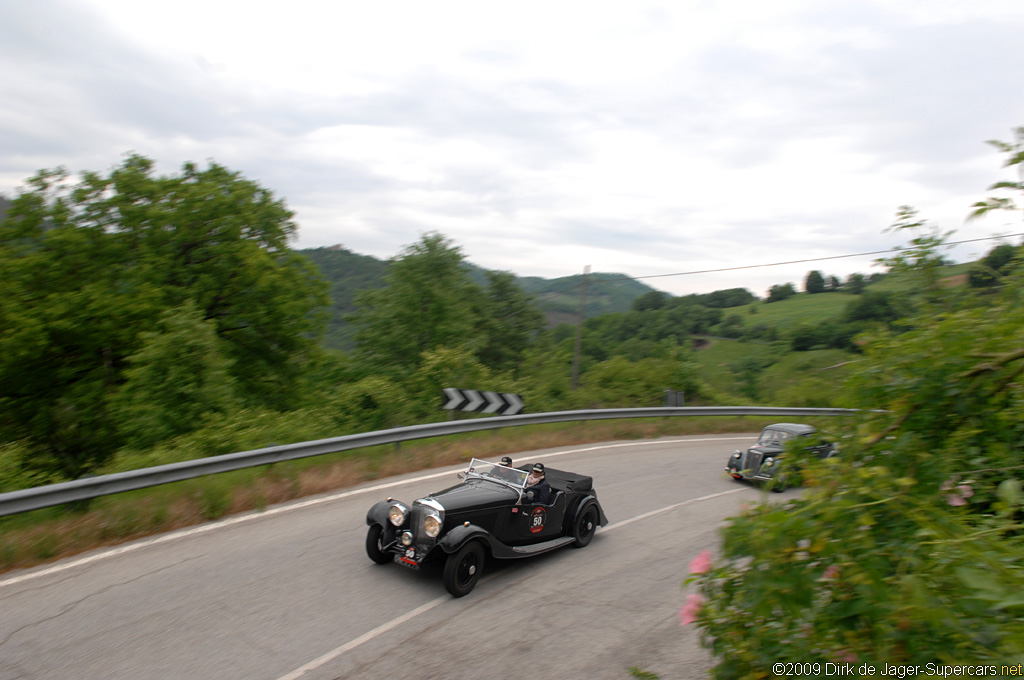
[416, 526]
[752, 462]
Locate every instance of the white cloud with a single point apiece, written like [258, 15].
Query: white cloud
[542, 137]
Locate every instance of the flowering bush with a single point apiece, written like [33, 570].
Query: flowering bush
[906, 549]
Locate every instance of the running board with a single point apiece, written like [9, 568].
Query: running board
[537, 548]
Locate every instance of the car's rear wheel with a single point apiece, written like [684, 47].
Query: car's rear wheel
[462, 569]
[374, 545]
[584, 527]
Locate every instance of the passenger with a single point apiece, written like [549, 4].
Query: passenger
[536, 483]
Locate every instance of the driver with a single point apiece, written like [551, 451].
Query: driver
[503, 471]
[536, 483]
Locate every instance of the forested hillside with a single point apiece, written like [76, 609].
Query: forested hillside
[559, 299]
[346, 273]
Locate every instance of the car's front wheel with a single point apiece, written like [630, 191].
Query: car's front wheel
[584, 527]
[374, 545]
[462, 569]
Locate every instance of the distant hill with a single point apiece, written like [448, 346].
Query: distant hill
[559, 299]
[347, 273]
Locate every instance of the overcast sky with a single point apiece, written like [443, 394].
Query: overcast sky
[636, 137]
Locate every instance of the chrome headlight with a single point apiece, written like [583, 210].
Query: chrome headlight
[406, 538]
[432, 525]
[397, 514]
[736, 454]
[769, 461]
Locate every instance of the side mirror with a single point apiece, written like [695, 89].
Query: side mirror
[461, 475]
[529, 496]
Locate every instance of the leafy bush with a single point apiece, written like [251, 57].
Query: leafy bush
[243, 430]
[907, 549]
[15, 474]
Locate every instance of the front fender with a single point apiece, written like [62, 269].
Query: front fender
[378, 514]
[458, 536]
[462, 534]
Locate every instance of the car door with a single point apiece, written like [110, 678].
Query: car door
[538, 522]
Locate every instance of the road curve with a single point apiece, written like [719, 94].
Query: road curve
[289, 593]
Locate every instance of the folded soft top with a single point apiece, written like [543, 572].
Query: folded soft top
[569, 482]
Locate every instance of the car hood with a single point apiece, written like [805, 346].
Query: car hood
[767, 449]
[475, 494]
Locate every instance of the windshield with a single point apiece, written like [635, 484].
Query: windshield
[497, 473]
[776, 437]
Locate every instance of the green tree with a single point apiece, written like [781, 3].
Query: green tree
[87, 266]
[655, 299]
[1015, 157]
[806, 337]
[429, 302]
[993, 267]
[855, 283]
[175, 381]
[872, 306]
[545, 378]
[748, 371]
[731, 326]
[620, 383]
[780, 292]
[446, 367]
[731, 297]
[510, 322]
[922, 259]
[815, 282]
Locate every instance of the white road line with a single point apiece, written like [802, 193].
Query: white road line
[239, 519]
[652, 513]
[422, 609]
[365, 637]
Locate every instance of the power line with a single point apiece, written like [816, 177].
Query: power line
[813, 259]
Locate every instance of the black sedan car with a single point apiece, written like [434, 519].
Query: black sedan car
[490, 514]
[761, 461]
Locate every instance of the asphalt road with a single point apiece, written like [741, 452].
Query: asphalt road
[289, 593]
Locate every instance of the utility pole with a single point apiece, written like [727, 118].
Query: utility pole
[579, 330]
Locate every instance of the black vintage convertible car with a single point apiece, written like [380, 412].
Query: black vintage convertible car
[761, 461]
[490, 513]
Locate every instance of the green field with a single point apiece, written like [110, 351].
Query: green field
[799, 309]
[768, 374]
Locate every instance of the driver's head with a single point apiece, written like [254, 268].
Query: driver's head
[506, 461]
[538, 469]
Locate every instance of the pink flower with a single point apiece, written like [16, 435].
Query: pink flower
[960, 495]
[701, 564]
[830, 573]
[688, 612]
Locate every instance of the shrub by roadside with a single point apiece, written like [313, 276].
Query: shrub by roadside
[907, 549]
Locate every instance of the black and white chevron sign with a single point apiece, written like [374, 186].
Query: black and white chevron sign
[500, 403]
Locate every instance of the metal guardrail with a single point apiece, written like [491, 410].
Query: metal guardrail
[92, 487]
